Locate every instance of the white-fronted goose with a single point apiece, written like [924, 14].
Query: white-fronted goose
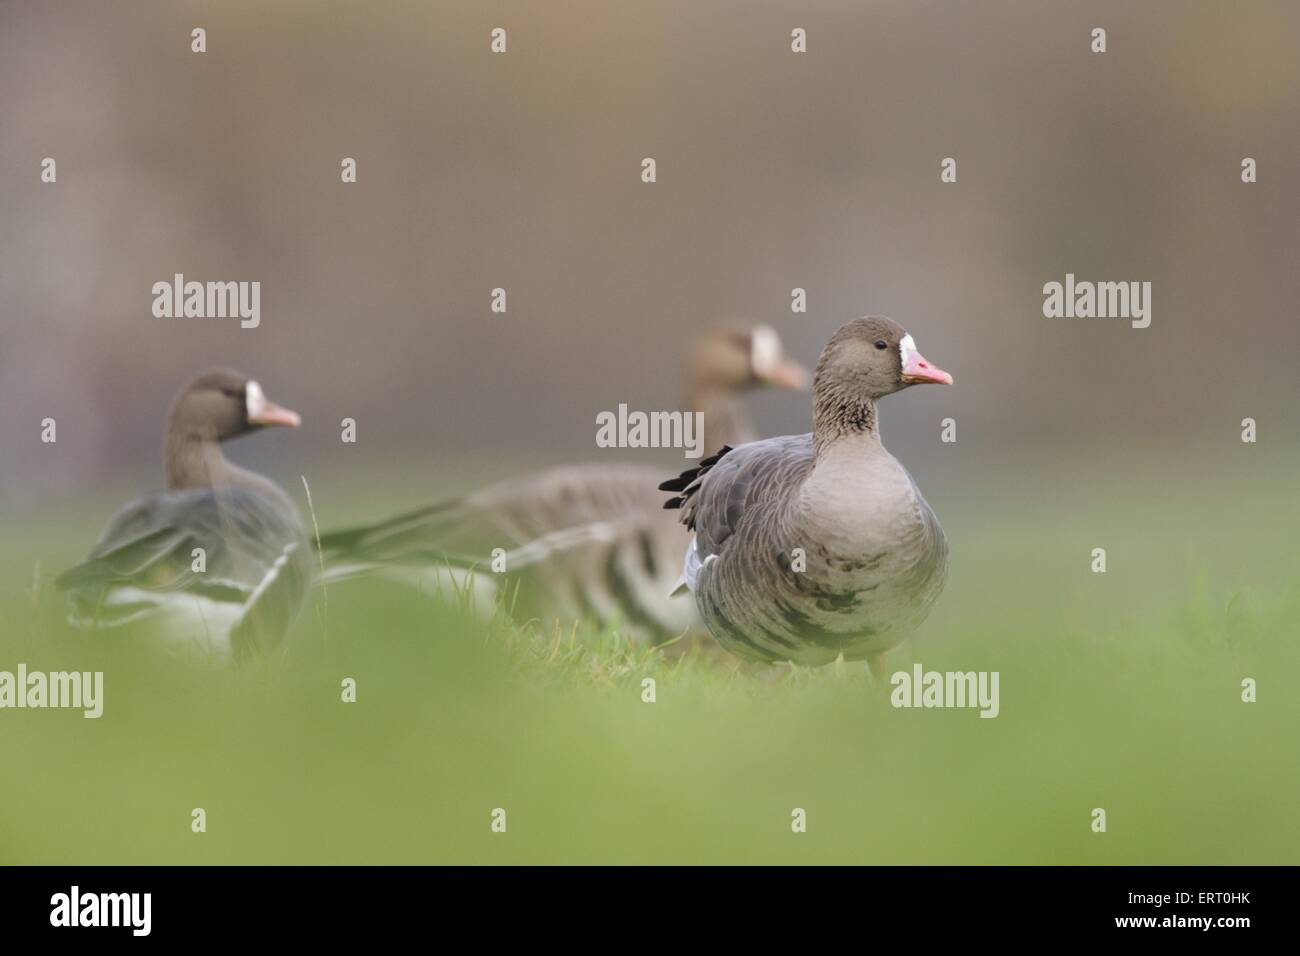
[254, 568]
[581, 541]
[725, 364]
[835, 502]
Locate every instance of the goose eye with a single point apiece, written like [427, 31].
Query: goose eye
[881, 344]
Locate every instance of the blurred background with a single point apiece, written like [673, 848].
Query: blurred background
[522, 171]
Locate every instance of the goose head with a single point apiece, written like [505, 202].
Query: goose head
[736, 358]
[222, 404]
[873, 357]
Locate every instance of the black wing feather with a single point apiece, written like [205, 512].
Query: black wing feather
[688, 482]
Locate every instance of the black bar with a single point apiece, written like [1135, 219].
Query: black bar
[372, 904]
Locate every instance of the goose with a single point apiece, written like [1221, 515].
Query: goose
[587, 541]
[220, 559]
[809, 547]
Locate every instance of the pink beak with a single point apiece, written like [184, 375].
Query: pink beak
[273, 414]
[788, 375]
[919, 371]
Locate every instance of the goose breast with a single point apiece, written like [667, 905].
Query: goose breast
[803, 562]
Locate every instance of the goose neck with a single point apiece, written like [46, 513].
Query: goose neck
[726, 421]
[192, 461]
[839, 417]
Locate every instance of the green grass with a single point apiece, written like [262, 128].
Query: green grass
[1119, 691]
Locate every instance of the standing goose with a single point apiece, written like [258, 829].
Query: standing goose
[580, 541]
[874, 556]
[220, 557]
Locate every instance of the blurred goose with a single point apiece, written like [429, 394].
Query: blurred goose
[581, 541]
[874, 557]
[245, 586]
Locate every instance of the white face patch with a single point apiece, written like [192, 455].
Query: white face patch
[906, 349]
[254, 400]
[764, 351]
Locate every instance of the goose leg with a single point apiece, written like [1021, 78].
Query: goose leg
[879, 665]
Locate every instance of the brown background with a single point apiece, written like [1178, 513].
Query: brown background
[775, 170]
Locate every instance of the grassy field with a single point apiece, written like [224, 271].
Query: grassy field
[1119, 690]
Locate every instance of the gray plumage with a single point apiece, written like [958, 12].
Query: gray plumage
[834, 503]
[580, 541]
